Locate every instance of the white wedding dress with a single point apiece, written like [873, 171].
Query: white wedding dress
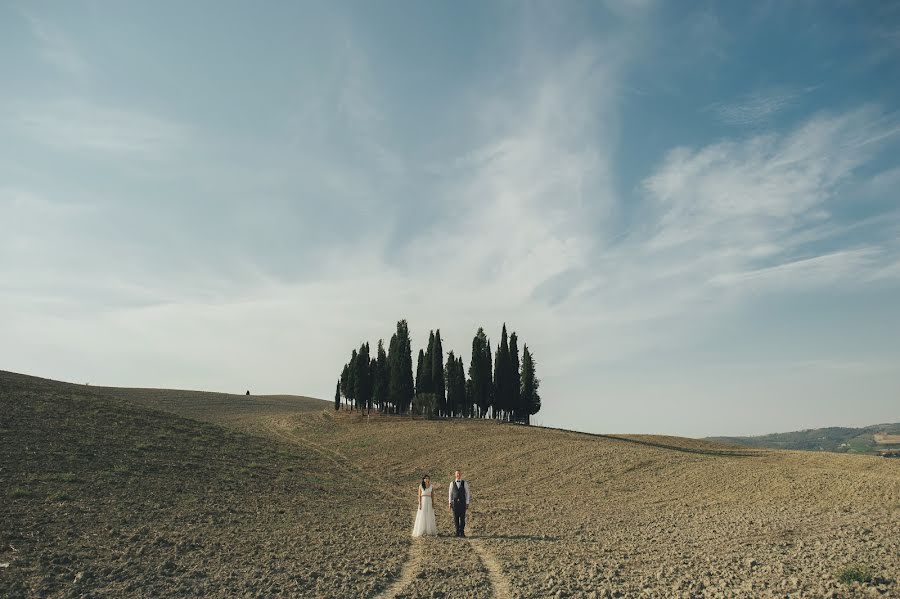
[425, 517]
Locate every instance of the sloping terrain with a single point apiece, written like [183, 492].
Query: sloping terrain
[866, 440]
[285, 498]
[570, 514]
[101, 497]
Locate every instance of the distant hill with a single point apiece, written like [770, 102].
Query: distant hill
[872, 440]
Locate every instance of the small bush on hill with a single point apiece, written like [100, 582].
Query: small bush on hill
[854, 573]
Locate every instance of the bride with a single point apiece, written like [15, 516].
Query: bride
[425, 516]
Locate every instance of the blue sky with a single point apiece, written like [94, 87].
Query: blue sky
[688, 211]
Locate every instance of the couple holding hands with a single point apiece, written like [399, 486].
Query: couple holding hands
[459, 499]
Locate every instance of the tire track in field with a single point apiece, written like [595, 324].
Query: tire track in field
[500, 588]
[283, 429]
[411, 567]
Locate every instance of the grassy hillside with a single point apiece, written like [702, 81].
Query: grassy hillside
[835, 439]
[106, 498]
[108, 495]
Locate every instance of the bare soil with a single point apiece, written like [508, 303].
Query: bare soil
[284, 497]
[570, 514]
[100, 497]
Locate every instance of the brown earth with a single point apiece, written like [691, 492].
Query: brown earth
[554, 513]
[885, 439]
[100, 497]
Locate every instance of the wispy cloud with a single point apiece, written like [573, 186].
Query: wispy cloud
[763, 177]
[80, 125]
[756, 108]
[826, 268]
[498, 198]
[56, 47]
[741, 210]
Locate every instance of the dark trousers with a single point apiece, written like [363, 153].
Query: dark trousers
[459, 518]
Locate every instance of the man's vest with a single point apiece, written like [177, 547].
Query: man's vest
[458, 493]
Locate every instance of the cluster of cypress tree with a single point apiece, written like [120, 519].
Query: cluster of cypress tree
[383, 383]
[500, 387]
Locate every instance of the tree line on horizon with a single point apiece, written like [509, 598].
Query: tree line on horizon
[500, 387]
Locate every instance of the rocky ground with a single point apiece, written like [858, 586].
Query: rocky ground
[107, 497]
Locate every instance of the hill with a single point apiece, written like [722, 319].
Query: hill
[871, 440]
[105, 497]
[297, 500]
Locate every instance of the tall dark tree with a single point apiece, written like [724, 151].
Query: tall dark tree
[502, 394]
[515, 384]
[454, 403]
[480, 373]
[457, 385]
[497, 385]
[353, 380]
[363, 379]
[345, 381]
[462, 392]
[421, 386]
[400, 365]
[437, 370]
[531, 399]
[382, 376]
[394, 382]
[427, 385]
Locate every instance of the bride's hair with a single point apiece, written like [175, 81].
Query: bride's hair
[423, 481]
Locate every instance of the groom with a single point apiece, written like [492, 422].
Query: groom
[459, 503]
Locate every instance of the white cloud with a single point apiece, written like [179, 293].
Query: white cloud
[522, 223]
[826, 268]
[79, 125]
[755, 108]
[56, 47]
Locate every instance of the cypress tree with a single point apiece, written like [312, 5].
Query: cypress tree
[337, 395]
[531, 399]
[401, 387]
[453, 403]
[363, 378]
[373, 381]
[462, 389]
[502, 393]
[420, 382]
[427, 385]
[488, 382]
[515, 382]
[353, 380]
[437, 369]
[480, 373]
[459, 385]
[345, 381]
[475, 369]
[394, 378]
[408, 388]
[382, 375]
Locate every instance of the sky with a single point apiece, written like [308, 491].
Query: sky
[688, 211]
